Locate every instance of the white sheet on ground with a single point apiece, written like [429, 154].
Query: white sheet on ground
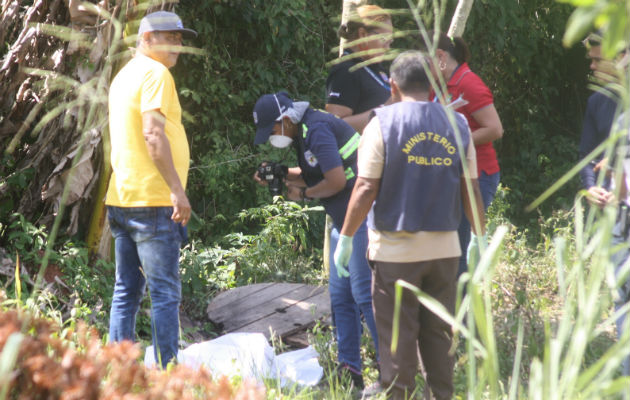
[249, 355]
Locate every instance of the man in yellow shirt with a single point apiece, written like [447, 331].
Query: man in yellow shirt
[147, 204]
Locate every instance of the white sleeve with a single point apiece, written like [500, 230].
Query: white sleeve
[371, 156]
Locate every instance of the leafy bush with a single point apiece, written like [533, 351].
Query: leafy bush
[72, 284]
[285, 246]
[39, 361]
[251, 47]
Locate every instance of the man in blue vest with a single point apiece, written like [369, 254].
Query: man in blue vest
[326, 149]
[411, 185]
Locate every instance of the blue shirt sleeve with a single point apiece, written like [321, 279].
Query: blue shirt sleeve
[323, 144]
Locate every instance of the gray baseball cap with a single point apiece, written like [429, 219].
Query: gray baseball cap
[164, 21]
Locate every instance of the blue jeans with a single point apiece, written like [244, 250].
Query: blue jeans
[622, 236]
[351, 297]
[147, 252]
[488, 185]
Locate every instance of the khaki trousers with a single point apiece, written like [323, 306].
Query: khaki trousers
[420, 329]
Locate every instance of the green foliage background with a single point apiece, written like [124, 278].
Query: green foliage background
[540, 92]
[255, 47]
[252, 47]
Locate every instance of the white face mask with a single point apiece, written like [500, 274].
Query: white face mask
[280, 141]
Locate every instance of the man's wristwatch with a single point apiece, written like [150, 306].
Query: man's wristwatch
[303, 194]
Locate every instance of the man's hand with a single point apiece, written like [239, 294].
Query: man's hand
[602, 164]
[294, 192]
[342, 255]
[599, 196]
[181, 208]
[258, 179]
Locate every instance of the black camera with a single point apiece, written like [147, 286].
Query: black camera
[273, 173]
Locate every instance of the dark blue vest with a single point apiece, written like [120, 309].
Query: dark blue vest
[420, 187]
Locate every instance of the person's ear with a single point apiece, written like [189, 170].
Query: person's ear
[395, 91]
[146, 38]
[289, 126]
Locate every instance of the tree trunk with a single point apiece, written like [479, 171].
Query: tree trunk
[347, 8]
[54, 80]
[458, 23]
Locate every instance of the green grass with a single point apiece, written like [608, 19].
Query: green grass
[541, 310]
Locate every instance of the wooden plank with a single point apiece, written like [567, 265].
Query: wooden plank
[252, 301]
[248, 313]
[298, 340]
[295, 317]
[231, 295]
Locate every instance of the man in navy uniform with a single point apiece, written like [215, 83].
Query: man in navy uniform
[326, 149]
[411, 185]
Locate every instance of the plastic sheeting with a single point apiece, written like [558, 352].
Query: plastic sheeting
[250, 356]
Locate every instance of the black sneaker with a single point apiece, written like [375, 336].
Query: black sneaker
[344, 370]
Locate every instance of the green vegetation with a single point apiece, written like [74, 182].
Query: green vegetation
[537, 301]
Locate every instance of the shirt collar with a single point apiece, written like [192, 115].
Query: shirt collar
[458, 73]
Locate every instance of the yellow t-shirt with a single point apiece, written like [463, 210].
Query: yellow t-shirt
[143, 85]
[403, 247]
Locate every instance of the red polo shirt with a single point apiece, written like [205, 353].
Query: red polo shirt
[467, 83]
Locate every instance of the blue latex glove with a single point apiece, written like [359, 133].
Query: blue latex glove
[342, 255]
[472, 252]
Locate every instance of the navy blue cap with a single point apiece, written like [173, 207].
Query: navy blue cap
[164, 21]
[267, 111]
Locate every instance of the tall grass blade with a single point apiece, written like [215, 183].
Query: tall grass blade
[18, 280]
[516, 368]
[396, 321]
[8, 358]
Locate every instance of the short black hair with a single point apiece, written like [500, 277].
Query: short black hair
[409, 71]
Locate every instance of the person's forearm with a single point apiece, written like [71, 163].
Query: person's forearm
[295, 173]
[363, 196]
[160, 152]
[323, 189]
[358, 121]
[486, 135]
[334, 181]
[490, 127]
[294, 177]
